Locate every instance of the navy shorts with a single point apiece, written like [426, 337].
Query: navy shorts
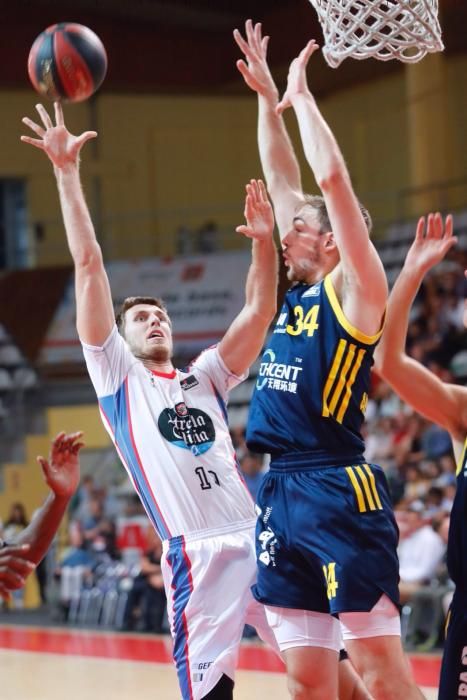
[453, 682]
[326, 537]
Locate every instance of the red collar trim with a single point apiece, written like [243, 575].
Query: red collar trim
[165, 375]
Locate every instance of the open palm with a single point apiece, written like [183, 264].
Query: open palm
[58, 143]
[432, 241]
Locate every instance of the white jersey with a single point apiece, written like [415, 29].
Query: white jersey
[171, 433]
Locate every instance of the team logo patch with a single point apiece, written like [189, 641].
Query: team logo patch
[189, 382]
[188, 428]
[181, 409]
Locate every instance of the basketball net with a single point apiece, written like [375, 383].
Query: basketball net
[385, 29]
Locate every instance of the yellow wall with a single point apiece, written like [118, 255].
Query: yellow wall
[161, 161]
[24, 482]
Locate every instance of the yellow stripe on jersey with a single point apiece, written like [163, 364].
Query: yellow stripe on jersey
[366, 487]
[358, 490]
[342, 379]
[349, 385]
[344, 322]
[446, 624]
[371, 477]
[460, 463]
[367, 498]
[332, 375]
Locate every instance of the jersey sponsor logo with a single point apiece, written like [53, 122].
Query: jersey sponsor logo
[277, 375]
[268, 542]
[181, 409]
[200, 666]
[194, 430]
[189, 382]
[280, 326]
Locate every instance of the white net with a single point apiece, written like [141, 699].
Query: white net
[385, 29]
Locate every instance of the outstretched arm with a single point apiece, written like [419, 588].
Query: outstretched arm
[360, 279]
[244, 340]
[445, 404]
[95, 314]
[61, 473]
[280, 166]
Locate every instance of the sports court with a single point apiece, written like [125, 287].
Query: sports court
[78, 664]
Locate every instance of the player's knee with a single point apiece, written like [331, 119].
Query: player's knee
[305, 685]
[223, 690]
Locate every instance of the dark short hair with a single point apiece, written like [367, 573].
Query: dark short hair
[129, 302]
[317, 202]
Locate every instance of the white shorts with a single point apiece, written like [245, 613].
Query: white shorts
[207, 582]
[303, 628]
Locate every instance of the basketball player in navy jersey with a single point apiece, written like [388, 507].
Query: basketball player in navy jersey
[18, 559]
[444, 404]
[170, 427]
[326, 534]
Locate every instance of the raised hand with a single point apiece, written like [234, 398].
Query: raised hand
[61, 470]
[296, 80]
[433, 239]
[14, 568]
[61, 147]
[258, 212]
[255, 71]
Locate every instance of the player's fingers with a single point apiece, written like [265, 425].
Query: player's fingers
[245, 231]
[77, 447]
[81, 140]
[58, 113]
[263, 191]
[250, 34]
[33, 126]
[264, 45]
[71, 437]
[257, 35]
[38, 143]
[245, 71]
[281, 106]
[420, 229]
[257, 193]
[243, 45]
[308, 51]
[449, 226]
[438, 225]
[430, 226]
[44, 115]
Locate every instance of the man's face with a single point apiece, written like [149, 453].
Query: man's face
[148, 332]
[302, 247]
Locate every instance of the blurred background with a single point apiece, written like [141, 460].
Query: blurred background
[165, 184]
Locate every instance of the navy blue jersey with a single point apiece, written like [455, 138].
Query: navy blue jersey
[457, 543]
[312, 387]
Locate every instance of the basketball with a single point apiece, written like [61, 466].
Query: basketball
[67, 61]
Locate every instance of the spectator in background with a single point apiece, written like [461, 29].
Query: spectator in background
[208, 237]
[147, 596]
[80, 504]
[184, 240]
[15, 523]
[420, 550]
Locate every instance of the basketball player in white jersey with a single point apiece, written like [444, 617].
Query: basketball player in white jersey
[170, 427]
